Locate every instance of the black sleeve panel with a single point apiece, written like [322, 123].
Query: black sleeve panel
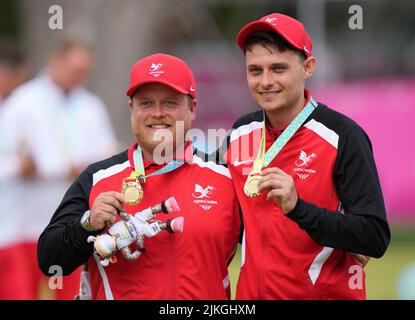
[362, 234]
[363, 227]
[64, 241]
[218, 155]
[242, 230]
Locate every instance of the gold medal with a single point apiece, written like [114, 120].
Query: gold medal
[251, 184]
[132, 191]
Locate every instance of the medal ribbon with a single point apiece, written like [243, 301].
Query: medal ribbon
[139, 166]
[264, 159]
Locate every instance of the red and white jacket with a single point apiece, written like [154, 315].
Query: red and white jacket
[307, 253]
[188, 265]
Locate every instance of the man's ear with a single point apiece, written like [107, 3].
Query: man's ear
[130, 104]
[309, 66]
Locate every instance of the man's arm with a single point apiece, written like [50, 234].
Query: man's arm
[363, 227]
[363, 234]
[64, 241]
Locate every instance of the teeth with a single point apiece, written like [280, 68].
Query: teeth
[269, 94]
[158, 126]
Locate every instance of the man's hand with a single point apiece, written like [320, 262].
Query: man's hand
[105, 209]
[281, 188]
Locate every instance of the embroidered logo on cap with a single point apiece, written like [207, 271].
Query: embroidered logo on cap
[271, 20]
[155, 70]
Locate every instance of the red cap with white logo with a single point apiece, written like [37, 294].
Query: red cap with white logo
[165, 69]
[288, 28]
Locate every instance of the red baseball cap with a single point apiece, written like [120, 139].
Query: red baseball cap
[290, 29]
[165, 69]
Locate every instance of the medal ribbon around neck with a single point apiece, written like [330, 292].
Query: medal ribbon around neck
[264, 159]
[139, 166]
[131, 187]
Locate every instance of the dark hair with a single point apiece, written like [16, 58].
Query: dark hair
[10, 54]
[270, 38]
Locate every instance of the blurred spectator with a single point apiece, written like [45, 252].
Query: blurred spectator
[14, 278]
[51, 129]
[13, 68]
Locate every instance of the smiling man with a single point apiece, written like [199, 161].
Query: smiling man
[168, 122]
[188, 265]
[305, 177]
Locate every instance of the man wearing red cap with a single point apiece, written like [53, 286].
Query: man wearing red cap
[304, 175]
[188, 265]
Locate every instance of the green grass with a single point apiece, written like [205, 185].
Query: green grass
[233, 270]
[381, 274]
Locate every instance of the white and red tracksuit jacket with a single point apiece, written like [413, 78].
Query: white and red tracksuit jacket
[307, 253]
[188, 265]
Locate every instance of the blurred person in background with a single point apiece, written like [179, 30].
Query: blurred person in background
[51, 128]
[14, 69]
[14, 276]
[305, 178]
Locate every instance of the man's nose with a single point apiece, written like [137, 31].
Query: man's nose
[158, 110]
[266, 80]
